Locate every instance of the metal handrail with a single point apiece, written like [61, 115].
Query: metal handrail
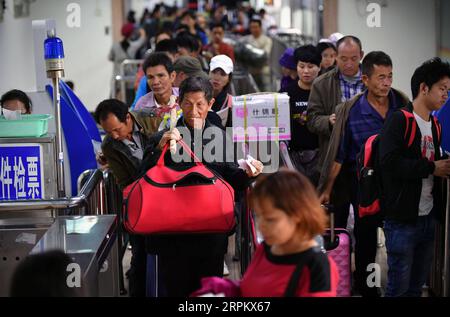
[61, 203]
[123, 78]
[114, 195]
[285, 156]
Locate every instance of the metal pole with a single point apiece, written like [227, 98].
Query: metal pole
[54, 60]
[445, 277]
[59, 138]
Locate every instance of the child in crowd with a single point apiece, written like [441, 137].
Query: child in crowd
[289, 261]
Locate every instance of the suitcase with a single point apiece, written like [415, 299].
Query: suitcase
[338, 245]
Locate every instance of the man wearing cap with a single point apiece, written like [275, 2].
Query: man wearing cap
[288, 69]
[185, 67]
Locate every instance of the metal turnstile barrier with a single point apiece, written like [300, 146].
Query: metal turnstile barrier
[125, 80]
[23, 223]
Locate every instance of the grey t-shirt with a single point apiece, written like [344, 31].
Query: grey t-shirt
[135, 146]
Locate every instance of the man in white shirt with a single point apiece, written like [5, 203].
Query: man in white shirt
[412, 180]
[259, 40]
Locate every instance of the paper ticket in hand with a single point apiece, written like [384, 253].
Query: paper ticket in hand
[246, 164]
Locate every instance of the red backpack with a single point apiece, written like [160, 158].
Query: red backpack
[369, 182]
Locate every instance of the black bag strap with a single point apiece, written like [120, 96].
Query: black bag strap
[292, 286]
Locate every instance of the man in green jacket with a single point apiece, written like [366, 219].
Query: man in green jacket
[332, 88]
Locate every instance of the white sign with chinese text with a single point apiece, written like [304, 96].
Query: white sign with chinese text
[261, 117]
[21, 172]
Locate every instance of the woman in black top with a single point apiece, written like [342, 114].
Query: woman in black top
[303, 147]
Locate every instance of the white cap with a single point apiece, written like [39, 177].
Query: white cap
[335, 37]
[223, 62]
[325, 41]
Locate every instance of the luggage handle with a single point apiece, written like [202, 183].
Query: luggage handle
[185, 147]
[329, 209]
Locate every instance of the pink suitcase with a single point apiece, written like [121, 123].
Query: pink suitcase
[338, 244]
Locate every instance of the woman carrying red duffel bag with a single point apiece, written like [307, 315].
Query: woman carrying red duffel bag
[188, 251]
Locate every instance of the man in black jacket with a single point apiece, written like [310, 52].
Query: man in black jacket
[412, 179]
[185, 259]
[127, 135]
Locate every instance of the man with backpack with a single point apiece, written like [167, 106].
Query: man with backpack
[356, 121]
[412, 180]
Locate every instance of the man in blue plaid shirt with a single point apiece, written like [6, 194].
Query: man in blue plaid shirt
[350, 86]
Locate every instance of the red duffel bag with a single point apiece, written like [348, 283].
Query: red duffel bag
[166, 201]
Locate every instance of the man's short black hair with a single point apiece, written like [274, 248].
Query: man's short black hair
[188, 13]
[182, 28]
[308, 54]
[168, 45]
[111, 106]
[158, 58]
[217, 25]
[187, 41]
[167, 26]
[254, 20]
[16, 94]
[349, 38]
[378, 58]
[195, 84]
[430, 72]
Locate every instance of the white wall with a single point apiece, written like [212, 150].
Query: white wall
[407, 33]
[86, 48]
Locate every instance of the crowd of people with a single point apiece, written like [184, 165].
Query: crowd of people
[183, 32]
[339, 98]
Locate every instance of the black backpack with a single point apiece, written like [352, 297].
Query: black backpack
[367, 164]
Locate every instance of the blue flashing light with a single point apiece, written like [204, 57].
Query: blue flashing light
[53, 48]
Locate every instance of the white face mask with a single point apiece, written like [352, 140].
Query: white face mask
[11, 115]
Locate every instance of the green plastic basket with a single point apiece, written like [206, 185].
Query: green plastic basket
[31, 125]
